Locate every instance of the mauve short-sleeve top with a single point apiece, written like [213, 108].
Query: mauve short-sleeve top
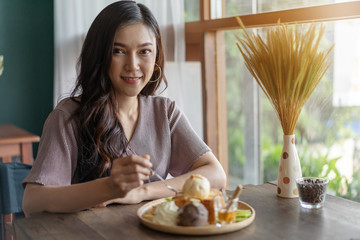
[162, 131]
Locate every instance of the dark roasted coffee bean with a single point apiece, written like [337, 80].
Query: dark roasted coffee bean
[312, 191]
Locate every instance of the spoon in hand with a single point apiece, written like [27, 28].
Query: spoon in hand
[163, 180]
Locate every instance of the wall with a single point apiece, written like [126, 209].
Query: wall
[26, 42]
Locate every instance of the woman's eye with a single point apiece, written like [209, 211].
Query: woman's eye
[118, 51]
[145, 51]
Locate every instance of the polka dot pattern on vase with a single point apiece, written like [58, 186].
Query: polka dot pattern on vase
[286, 180]
[289, 169]
[295, 191]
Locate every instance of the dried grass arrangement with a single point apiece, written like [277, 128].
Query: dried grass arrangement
[287, 67]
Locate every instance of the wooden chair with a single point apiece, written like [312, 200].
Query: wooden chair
[14, 142]
[11, 194]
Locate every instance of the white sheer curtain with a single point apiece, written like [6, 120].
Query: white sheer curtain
[74, 17]
[72, 20]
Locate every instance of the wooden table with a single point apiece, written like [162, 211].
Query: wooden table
[276, 218]
[15, 141]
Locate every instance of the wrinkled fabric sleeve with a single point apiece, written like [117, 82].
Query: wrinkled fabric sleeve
[56, 159]
[186, 145]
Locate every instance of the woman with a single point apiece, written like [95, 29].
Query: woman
[98, 146]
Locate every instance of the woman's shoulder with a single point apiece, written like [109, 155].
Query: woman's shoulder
[68, 105]
[62, 115]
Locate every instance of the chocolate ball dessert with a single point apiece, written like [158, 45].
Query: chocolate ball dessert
[193, 214]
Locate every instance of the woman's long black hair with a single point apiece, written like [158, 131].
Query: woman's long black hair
[101, 136]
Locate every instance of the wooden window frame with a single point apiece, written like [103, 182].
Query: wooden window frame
[205, 43]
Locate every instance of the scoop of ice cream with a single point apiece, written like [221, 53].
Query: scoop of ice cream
[193, 214]
[196, 186]
[166, 213]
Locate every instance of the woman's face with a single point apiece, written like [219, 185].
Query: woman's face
[133, 59]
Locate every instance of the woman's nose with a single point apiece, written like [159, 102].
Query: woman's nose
[132, 62]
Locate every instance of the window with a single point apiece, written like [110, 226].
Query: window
[328, 127]
[328, 130]
[192, 10]
[236, 8]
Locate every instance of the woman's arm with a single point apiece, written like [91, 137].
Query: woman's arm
[126, 174]
[207, 165]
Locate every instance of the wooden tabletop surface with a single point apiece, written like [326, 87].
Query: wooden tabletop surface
[276, 218]
[12, 134]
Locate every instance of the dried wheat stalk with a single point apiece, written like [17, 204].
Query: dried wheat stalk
[287, 67]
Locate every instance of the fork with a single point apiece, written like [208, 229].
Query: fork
[163, 180]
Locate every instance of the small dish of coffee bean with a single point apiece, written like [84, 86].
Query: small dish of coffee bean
[312, 191]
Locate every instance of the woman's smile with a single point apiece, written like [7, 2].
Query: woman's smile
[132, 80]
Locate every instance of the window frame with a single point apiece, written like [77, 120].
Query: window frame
[205, 43]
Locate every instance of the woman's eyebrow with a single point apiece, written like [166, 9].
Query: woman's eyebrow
[141, 45]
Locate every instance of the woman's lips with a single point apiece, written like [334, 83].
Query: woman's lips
[132, 80]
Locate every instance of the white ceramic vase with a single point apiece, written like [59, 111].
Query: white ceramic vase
[289, 169]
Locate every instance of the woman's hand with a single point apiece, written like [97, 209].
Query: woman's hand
[128, 173]
[132, 197]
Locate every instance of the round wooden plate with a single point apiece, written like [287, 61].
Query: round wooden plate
[205, 230]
